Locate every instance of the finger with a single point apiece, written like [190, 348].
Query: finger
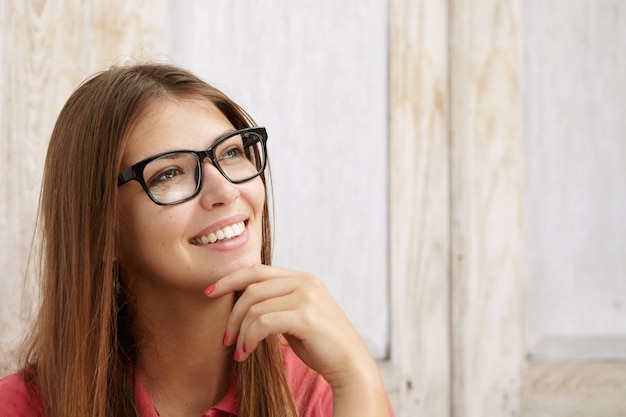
[254, 294]
[275, 316]
[282, 340]
[242, 278]
[301, 307]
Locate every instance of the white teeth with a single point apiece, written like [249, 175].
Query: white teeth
[227, 232]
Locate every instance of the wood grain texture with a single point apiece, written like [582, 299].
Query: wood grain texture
[419, 210]
[486, 177]
[48, 48]
[127, 31]
[575, 389]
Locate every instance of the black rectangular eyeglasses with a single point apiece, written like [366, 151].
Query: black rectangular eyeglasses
[176, 176]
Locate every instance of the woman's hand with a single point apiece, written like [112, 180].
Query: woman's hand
[298, 306]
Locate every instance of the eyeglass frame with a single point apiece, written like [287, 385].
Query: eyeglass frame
[135, 171]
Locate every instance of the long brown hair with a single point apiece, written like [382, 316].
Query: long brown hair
[80, 352]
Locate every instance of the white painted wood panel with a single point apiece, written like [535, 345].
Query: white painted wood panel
[576, 179]
[420, 207]
[574, 388]
[575, 197]
[486, 198]
[315, 74]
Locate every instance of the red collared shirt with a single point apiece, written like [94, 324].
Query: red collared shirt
[311, 392]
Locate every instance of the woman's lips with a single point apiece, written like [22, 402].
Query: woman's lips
[224, 233]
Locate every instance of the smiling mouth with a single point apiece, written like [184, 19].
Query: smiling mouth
[219, 235]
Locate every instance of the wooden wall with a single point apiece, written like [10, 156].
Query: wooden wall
[575, 199]
[514, 111]
[486, 196]
[456, 206]
[419, 95]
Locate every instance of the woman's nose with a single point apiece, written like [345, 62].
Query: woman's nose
[216, 190]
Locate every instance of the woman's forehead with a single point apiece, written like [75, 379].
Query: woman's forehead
[174, 124]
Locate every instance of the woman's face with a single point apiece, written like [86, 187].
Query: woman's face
[161, 246]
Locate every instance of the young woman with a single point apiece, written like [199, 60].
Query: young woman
[158, 297]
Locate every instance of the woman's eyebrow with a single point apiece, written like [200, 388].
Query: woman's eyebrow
[221, 136]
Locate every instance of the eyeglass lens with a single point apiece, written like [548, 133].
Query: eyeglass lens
[175, 176]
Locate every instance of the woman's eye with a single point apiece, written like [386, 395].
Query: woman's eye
[166, 175]
[232, 153]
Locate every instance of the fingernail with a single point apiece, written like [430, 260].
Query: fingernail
[236, 356]
[243, 348]
[209, 290]
[224, 339]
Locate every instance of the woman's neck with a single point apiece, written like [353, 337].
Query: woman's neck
[183, 365]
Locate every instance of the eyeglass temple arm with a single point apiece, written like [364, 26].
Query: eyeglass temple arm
[125, 176]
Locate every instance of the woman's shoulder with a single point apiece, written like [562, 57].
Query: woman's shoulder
[16, 400]
[310, 390]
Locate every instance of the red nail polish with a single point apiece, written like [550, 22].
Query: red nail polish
[243, 348]
[224, 339]
[236, 356]
[209, 290]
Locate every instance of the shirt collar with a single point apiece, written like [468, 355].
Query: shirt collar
[228, 404]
